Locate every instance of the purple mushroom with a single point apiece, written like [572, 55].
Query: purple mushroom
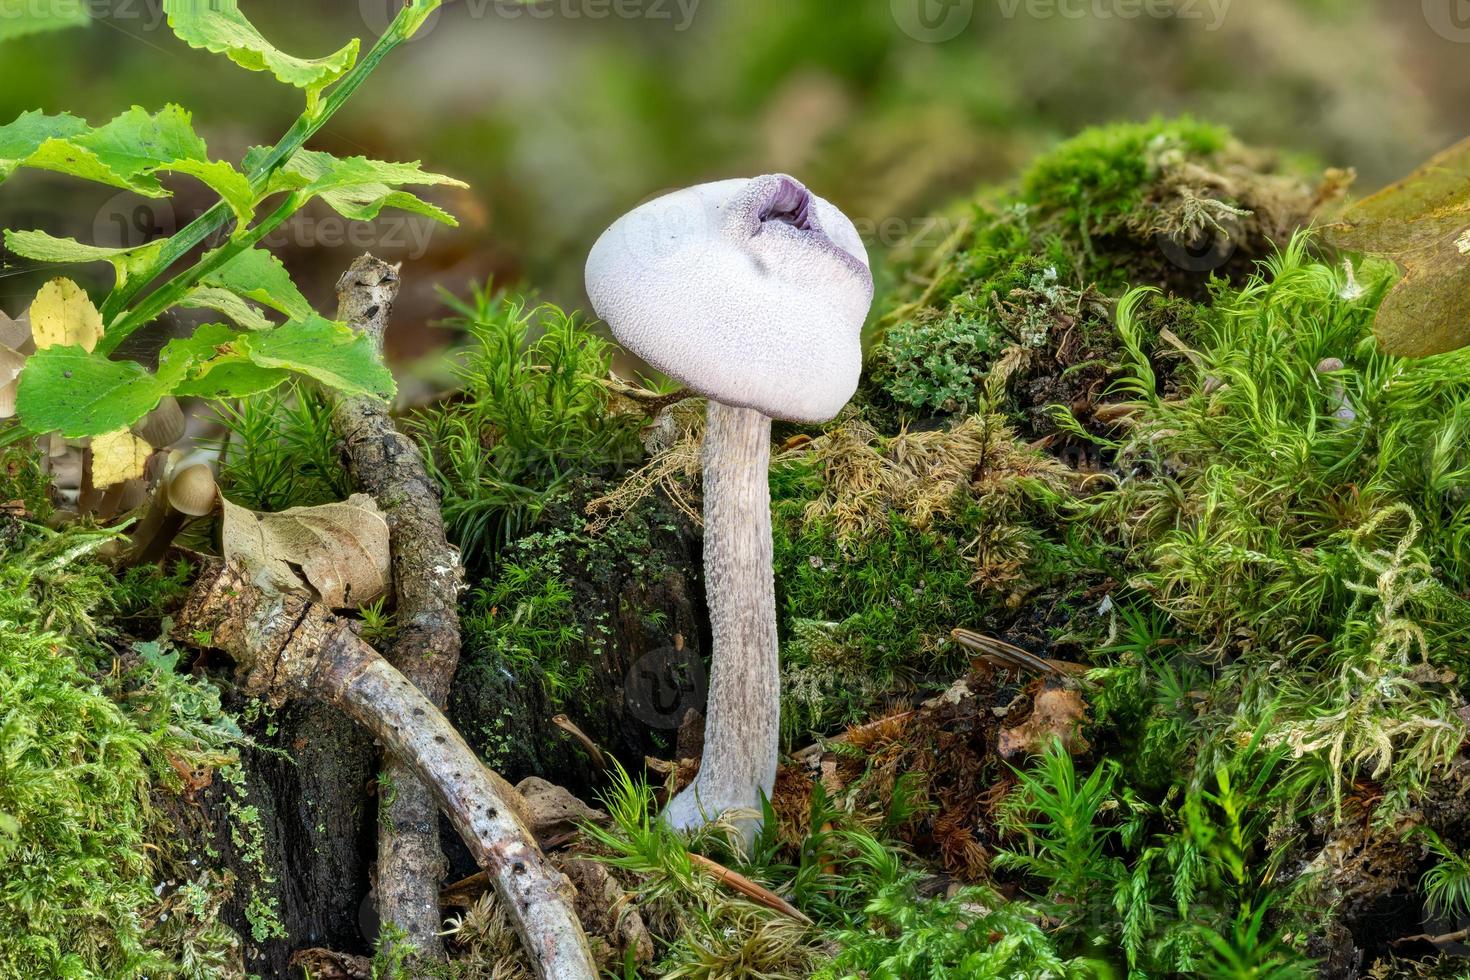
[753, 293]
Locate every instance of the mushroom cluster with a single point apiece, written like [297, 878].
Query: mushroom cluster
[753, 293]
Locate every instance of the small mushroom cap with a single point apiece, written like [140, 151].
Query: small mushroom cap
[193, 491]
[163, 426]
[752, 292]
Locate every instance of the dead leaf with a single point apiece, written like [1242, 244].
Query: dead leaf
[118, 456]
[338, 552]
[1422, 223]
[1057, 711]
[327, 964]
[63, 316]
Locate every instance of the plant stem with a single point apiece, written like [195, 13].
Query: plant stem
[167, 295]
[307, 124]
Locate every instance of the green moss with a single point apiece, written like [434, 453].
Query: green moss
[1172, 203]
[90, 738]
[1093, 184]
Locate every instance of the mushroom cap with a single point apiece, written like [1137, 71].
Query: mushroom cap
[193, 491]
[752, 292]
[163, 426]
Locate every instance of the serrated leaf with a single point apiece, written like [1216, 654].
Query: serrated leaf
[337, 552]
[215, 364]
[220, 27]
[1422, 224]
[355, 187]
[327, 351]
[24, 136]
[260, 276]
[118, 456]
[78, 393]
[232, 379]
[62, 315]
[42, 247]
[230, 304]
[138, 142]
[19, 18]
[123, 153]
[231, 185]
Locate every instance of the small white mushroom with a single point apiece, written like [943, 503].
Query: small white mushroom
[752, 293]
[190, 493]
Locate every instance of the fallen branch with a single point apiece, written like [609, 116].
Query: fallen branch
[286, 646]
[387, 465]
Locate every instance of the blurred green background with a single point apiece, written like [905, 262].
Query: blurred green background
[564, 115]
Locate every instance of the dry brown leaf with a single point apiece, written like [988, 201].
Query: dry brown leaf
[63, 316]
[118, 456]
[1058, 711]
[338, 552]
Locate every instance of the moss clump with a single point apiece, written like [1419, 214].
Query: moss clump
[564, 621]
[885, 544]
[93, 741]
[1013, 304]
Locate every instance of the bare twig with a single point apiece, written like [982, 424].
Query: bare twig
[387, 464]
[286, 646]
[737, 882]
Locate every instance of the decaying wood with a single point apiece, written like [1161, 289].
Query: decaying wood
[286, 646]
[387, 464]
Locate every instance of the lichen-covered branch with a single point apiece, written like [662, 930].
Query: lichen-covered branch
[386, 464]
[286, 646]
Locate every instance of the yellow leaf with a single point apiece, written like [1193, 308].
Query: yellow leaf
[118, 456]
[63, 315]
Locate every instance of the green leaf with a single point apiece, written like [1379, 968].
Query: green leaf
[23, 137]
[215, 362]
[19, 18]
[259, 275]
[221, 177]
[327, 351]
[124, 153]
[1422, 224]
[68, 390]
[219, 26]
[230, 304]
[232, 379]
[355, 187]
[138, 142]
[42, 247]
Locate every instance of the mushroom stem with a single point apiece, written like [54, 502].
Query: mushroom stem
[740, 736]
